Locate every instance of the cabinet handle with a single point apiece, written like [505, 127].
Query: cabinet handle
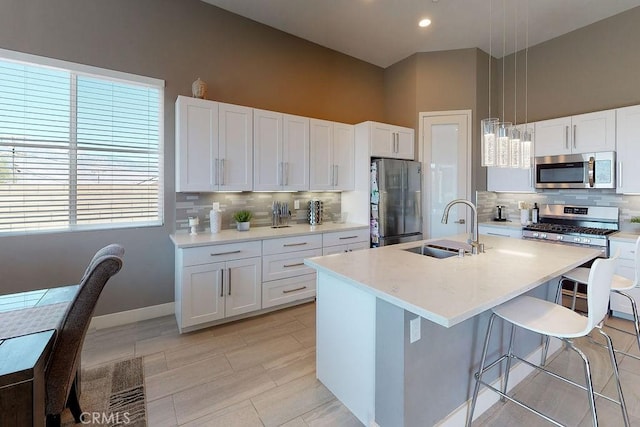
[227, 253]
[347, 237]
[294, 290]
[222, 172]
[574, 135]
[294, 265]
[294, 244]
[619, 172]
[336, 172]
[280, 172]
[221, 283]
[566, 137]
[217, 172]
[229, 281]
[286, 173]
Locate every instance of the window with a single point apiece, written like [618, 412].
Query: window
[80, 147]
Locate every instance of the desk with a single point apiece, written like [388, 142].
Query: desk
[28, 323]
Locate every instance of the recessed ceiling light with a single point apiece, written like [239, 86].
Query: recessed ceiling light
[424, 22]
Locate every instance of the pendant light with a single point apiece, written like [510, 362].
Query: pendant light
[526, 143]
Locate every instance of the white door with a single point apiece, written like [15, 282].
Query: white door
[343, 156]
[202, 299]
[321, 170]
[295, 153]
[243, 291]
[445, 152]
[267, 150]
[236, 147]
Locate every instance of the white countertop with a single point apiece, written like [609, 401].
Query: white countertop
[205, 238]
[449, 291]
[624, 236]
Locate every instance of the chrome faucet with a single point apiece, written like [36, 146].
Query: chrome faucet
[476, 246]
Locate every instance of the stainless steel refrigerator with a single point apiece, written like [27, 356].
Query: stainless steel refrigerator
[396, 201]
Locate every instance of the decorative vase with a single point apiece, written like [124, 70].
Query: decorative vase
[199, 89]
[243, 226]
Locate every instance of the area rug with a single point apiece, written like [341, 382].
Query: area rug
[112, 395]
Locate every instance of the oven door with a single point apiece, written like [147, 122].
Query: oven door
[588, 170]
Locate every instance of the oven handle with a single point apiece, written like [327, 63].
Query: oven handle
[592, 164]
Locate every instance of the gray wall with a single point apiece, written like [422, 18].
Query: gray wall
[242, 61]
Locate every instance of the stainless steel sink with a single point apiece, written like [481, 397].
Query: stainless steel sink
[441, 249]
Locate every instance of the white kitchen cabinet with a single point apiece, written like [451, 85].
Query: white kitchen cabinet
[583, 133]
[215, 282]
[500, 230]
[513, 180]
[196, 144]
[331, 155]
[214, 146]
[390, 141]
[620, 305]
[345, 241]
[628, 149]
[285, 276]
[281, 151]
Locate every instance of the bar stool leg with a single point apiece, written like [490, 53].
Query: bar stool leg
[547, 338]
[480, 371]
[616, 373]
[588, 380]
[634, 309]
[508, 367]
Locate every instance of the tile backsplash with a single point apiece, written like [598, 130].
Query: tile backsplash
[487, 201]
[199, 204]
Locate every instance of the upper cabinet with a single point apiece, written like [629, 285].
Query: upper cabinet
[628, 149]
[512, 180]
[281, 151]
[214, 146]
[390, 141]
[332, 155]
[584, 133]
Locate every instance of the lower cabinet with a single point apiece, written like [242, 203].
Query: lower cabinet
[498, 230]
[214, 282]
[620, 305]
[345, 241]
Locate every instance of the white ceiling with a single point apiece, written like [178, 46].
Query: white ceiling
[383, 32]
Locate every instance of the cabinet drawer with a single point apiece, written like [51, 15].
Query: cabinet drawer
[216, 253]
[329, 250]
[291, 244]
[285, 265]
[345, 237]
[627, 250]
[288, 290]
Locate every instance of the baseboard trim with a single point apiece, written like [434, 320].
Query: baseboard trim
[131, 316]
[487, 398]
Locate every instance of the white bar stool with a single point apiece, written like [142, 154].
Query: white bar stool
[619, 285]
[550, 319]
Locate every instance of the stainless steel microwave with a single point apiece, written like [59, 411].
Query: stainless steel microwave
[587, 170]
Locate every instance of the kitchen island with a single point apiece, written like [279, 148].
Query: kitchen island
[399, 333]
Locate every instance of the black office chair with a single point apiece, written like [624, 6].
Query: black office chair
[60, 372]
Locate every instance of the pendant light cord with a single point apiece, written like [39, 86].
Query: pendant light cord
[526, 67]
[515, 68]
[504, 49]
[490, 42]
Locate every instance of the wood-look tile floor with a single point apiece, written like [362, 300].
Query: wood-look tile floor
[261, 372]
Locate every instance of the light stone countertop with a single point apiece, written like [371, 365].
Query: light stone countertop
[624, 236]
[205, 238]
[451, 290]
[506, 224]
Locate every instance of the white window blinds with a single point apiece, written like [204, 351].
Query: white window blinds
[77, 150]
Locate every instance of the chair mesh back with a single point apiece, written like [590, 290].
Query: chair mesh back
[62, 365]
[598, 290]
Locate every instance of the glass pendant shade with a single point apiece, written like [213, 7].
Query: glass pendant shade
[526, 146]
[488, 147]
[503, 152]
[515, 151]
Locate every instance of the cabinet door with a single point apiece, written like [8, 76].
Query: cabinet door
[628, 149]
[553, 137]
[267, 150]
[243, 291]
[404, 143]
[510, 180]
[382, 140]
[235, 167]
[295, 153]
[593, 132]
[321, 170]
[196, 144]
[343, 156]
[201, 294]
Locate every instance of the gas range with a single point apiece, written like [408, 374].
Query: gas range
[575, 225]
